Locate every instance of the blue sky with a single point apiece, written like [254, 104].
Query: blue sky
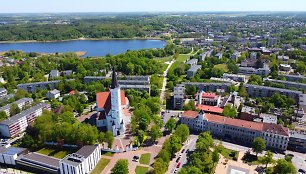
[21, 6]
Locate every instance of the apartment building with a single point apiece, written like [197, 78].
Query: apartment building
[211, 87]
[293, 78]
[178, 97]
[287, 84]
[81, 162]
[236, 130]
[32, 87]
[192, 71]
[235, 77]
[18, 123]
[20, 103]
[3, 92]
[210, 99]
[265, 91]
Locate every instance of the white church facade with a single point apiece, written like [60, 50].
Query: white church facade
[110, 107]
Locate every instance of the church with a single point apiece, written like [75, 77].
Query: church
[110, 106]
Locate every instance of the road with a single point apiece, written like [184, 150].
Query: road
[162, 94]
[169, 114]
[190, 145]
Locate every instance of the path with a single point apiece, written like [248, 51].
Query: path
[162, 94]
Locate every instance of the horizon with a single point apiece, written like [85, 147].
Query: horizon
[157, 6]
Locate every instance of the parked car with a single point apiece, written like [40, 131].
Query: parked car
[178, 165]
[178, 159]
[183, 150]
[136, 158]
[301, 171]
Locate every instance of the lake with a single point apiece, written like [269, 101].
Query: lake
[91, 47]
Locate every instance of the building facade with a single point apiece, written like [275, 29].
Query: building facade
[110, 107]
[238, 131]
[16, 124]
[81, 162]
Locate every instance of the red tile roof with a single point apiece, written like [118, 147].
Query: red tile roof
[207, 108]
[104, 100]
[208, 95]
[266, 127]
[276, 129]
[190, 114]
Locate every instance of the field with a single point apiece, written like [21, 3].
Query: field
[100, 166]
[57, 153]
[141, 170]
[145, 158]
[222, 67]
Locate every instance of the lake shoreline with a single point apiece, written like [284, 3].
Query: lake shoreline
[81, 39]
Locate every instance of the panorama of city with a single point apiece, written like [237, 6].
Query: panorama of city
[165, 92]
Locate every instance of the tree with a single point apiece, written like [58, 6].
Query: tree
[109, 138]
[182, 131]
[284, 167]
[170, 125]
[268, 158]
[27, 141]
[164, 155]
[141, 135]
[155, 133]
[255, 80]
[160, 166]
[14, 109]
[190, 106]
[3, 115]
[101, 137]
[242, 91]
[121, 167]
[258, 145]
[229, 111]
[176, 143]
[215, 156]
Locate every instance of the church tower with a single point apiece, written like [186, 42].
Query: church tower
[115, 123]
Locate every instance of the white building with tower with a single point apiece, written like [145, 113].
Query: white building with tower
[110, 108]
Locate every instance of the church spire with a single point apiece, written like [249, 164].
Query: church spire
[114, 80]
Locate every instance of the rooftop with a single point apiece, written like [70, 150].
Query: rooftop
[207, 108]
[86, 150]
[40, 159]
[16, 117]
[16, 102]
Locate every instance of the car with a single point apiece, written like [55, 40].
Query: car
[181, 155]
[183, 150]
[178, 159]
[175, 171]
[178, 165]
[187, 150]
[301, 171]
[136, 158]
[291, 155]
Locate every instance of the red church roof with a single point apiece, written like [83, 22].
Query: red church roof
[104, 100]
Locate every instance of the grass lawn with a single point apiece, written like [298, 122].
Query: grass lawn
[61, 154]
[57, 153]
[46, 151]
[229, 154]
[183, 57]
[107, 153]
[141, 170]
[100, 166]
[163, 61]
[222, 67]
[145, 158]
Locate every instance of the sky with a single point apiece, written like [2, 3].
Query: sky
[46, 6]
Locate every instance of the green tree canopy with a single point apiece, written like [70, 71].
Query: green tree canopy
[121, 167]
[259, 145]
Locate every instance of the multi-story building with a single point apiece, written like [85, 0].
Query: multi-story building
[212, 87]
[192, 62]
[248, 113]
[81, 162]
[32, 87]
[260, 71]
[3, 92]
[140, 83]
[54, 74]
[178, 97]
[240, 131]
[38, 163]
[287, 84]
[297, 141]
[18, 123]
[192, 71]
[210, 99]
[255, 91]
[235, 77]
[272, 42]
[293, 78]
[20, 103]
